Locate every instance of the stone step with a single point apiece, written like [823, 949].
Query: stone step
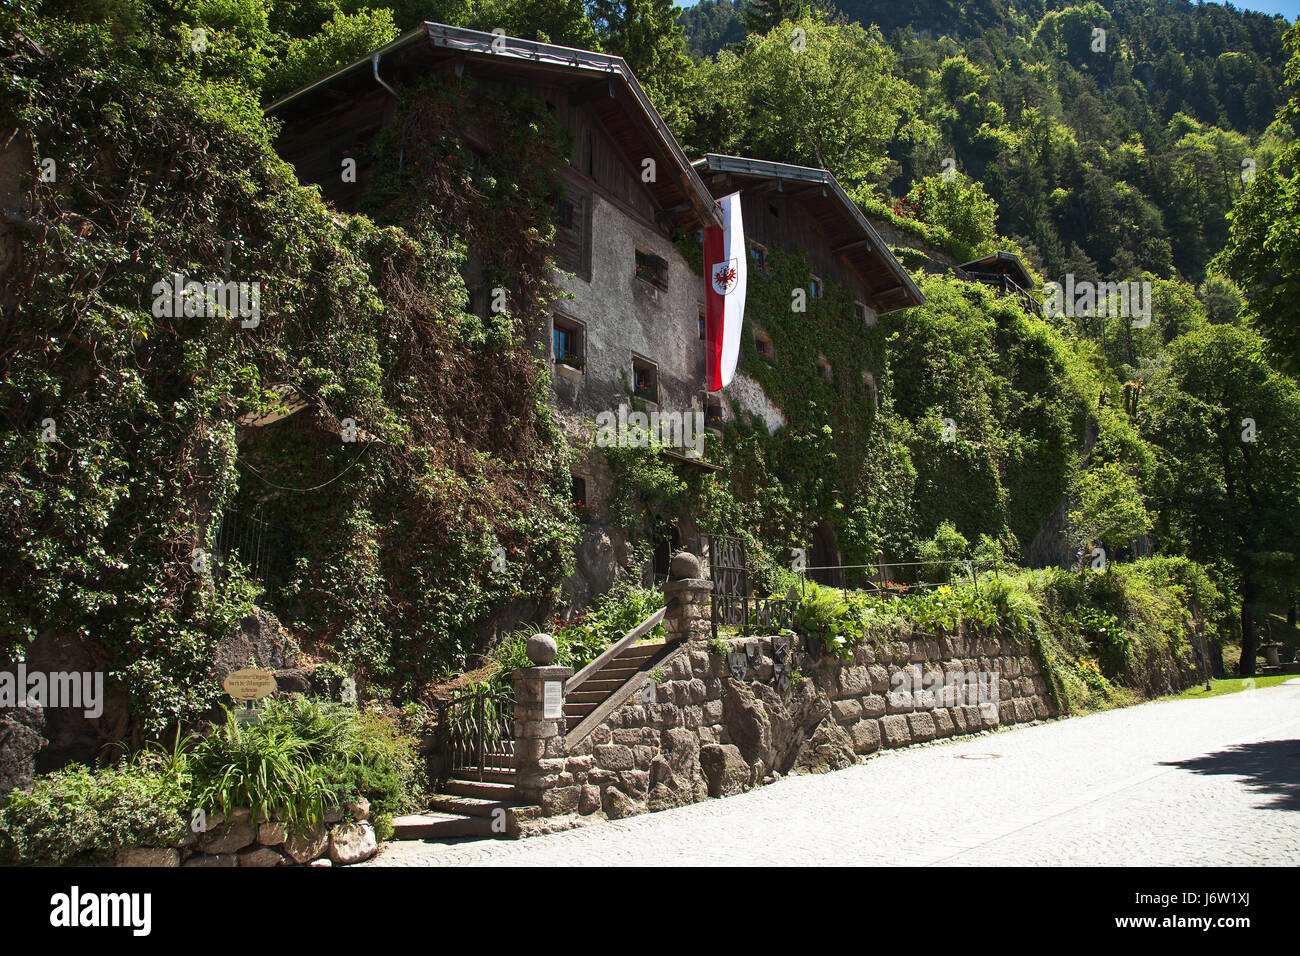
[467, 806]
[641, 653]
[492, 775]
[440, 826]
[586, 696]
[494, 761]
[482, 790]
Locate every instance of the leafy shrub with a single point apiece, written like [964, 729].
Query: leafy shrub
[78, 815]
[304, 757]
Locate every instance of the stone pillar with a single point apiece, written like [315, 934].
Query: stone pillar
[687, 597]
[539, 744]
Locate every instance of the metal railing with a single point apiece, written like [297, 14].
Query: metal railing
[878, 581]
[732, 602]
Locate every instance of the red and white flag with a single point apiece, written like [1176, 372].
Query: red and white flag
[725, 261]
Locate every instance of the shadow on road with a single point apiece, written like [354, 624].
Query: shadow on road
[1269, 766]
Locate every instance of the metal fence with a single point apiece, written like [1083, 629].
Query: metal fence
[879, 578]
[244, 534]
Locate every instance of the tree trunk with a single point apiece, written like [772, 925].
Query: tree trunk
[1249, 641]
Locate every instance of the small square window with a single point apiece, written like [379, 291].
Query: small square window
[645, 380]
[579, 490]
[763, 342]
[568, 345]
[712, 411]
[865, 317]
[565, 213]
[757, 257]
[704, 329]
[824, 370]
[651, 269]
[816, 287]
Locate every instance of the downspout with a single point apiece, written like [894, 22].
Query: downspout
[374, 62]
[374, 65]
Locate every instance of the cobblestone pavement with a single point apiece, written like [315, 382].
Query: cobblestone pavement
[1212, 782]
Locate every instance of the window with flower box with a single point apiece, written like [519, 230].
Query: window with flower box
[645, 380]
[652, 269]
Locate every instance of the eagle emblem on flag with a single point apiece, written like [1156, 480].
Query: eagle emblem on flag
[724, 276]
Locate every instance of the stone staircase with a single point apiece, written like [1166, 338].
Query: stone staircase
[475, 803]
[631, 661]
[466, 806]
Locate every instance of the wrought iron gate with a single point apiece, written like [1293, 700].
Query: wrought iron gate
[732, 604]
[474, 731]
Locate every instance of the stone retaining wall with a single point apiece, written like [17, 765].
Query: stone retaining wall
[344, 836]
[709, 734]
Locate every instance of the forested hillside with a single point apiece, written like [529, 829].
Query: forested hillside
[1104, 153]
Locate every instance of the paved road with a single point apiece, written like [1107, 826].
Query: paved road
[1214, 782]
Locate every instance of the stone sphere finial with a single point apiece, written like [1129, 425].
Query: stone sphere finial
[542, 650]
[684, 565]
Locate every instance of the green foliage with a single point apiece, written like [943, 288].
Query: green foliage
[301, 758]
[1263, 252]
[345, 37]
[77, 815]
[381, 550]
[1111, 507]
[582, 639]
[825, 97]
[960, 208]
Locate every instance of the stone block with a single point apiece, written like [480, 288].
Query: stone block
[943, 724]
[896, 731]
[271, 834]
[873, 705]
[724, 769]
[619, 805]
[921, 724]
[866, 736]
[261, 857]
[846, 711]
[615, 757]
[855, 681]
[149, 856]
[352, 843]
[561, 800]
[879, 679]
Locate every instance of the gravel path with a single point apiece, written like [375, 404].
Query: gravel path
[1212, 782]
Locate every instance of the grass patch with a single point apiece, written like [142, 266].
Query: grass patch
[1230, 685]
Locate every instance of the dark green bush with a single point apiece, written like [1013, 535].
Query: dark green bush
[78, 815]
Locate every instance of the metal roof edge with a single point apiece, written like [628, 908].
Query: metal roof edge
[722, 162]
[499, 45]
[410, 35]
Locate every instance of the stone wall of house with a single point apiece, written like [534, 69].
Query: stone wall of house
[701, 731]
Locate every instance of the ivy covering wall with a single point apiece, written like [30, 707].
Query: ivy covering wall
[382, 552]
